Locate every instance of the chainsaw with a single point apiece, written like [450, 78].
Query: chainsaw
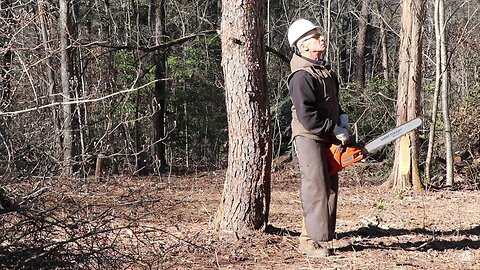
[340, 156]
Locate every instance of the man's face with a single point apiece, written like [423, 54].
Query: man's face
[313, 45]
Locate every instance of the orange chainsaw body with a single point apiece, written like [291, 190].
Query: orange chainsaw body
[341, 156]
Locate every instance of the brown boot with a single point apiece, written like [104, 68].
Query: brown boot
[314, 249]
[311, 248]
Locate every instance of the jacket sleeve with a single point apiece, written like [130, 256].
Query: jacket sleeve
[340, 110]
[310, 108]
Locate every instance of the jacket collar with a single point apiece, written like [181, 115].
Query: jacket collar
[299, 62]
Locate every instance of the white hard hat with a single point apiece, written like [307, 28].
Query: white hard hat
[298, 29]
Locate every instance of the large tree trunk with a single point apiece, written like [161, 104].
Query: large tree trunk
[361, 43]
[405, 171]
[158, 8]
[65, 79]
[246, 194]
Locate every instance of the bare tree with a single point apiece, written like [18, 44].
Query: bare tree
[327, 22]
[7, 55]
[361, 43]
[384, 40]
[405, 171]
[43, 18]
[158, 10]
[431, 136]
[65, 62]
[441, 86]
[246, 194]
[445, 84]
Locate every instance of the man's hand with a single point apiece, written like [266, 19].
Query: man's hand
[344, 122]
[341, 134]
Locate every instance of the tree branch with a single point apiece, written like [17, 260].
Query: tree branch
[78, 101]
[177, 41]
[163, 46]
[280, 55]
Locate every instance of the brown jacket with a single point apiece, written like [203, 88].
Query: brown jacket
[313, 89]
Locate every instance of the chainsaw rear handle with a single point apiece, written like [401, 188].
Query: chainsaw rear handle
[340, 156]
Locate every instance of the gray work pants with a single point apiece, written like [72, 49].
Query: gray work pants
[319, 191]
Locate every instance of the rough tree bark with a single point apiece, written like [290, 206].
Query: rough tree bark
[246, 194]
[67, 141]
[405, 171]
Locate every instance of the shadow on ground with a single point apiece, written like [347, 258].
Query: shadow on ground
[431, 243]
[375, 232]
[281, 231]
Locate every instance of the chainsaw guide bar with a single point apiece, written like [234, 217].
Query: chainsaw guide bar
[392, 135]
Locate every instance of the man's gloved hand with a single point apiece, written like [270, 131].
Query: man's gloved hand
[344, 122]
[341, 134]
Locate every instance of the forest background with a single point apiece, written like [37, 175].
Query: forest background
[143, 81]
[138, 85]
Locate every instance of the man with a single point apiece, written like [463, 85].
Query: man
[317, 121]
